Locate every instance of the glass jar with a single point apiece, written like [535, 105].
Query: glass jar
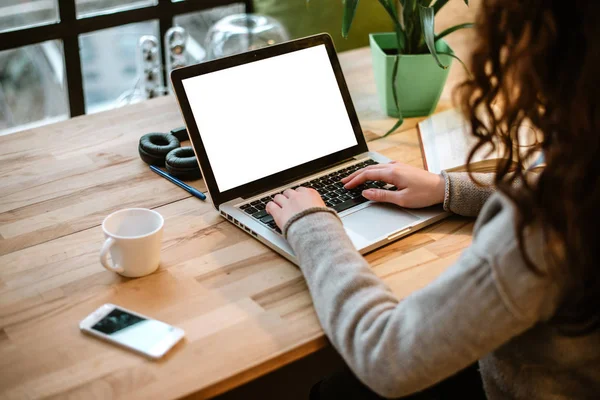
[239, 33]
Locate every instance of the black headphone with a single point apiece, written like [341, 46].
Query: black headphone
[162, 149]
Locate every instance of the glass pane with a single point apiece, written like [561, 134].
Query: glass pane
[197, 25]
[16, 14]
[111, 67]
[86, 8]
[32, 86]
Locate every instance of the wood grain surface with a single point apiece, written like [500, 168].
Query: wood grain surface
[246, 311]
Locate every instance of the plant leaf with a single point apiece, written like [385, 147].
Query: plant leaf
[395, 95]
[391, 10]
[411, 23]
[349, 13]
[453, 29]
[396, 126]
[427, 21]
[400, 34]
[437, 6]
[459, 60]
[467, 2]
[407, 11]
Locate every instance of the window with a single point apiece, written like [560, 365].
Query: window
[55, 59]
[109, 64]
[86, 8]
[19, 14]
[32, 86]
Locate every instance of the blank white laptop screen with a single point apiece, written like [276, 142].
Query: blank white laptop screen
[267, 116]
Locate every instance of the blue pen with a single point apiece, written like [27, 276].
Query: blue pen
[193, 191]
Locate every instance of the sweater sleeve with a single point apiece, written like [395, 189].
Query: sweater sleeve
[400, 347]
[465, 197]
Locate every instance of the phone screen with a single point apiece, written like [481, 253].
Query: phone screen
[133, 331]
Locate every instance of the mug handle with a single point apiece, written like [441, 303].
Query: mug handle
[104, 256]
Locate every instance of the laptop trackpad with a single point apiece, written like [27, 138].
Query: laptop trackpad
[376, 221]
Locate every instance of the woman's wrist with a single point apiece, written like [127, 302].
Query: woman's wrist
[441, 189]
[445, 190]
[302, 214]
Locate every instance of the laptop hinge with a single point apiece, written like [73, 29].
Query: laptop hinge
[285, 182]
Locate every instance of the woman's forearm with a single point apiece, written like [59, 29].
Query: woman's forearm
[398, 348]
[465, 197]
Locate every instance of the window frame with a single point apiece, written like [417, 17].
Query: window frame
[68, 28]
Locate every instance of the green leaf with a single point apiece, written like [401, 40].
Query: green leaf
[453, 29]
[407, 10]
[410, 19]
[459, 60]
[427, 20]
[396, 126]
[400, 35]
[439, 4]
[395, 95]
[349, 13]
[391, 9]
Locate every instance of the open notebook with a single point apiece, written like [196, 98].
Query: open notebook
[446, 142]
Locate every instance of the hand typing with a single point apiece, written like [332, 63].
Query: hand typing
[416, 187]
[286, 205]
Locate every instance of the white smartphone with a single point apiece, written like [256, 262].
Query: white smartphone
[134, 331]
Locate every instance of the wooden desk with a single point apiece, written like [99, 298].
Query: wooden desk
[246, 310]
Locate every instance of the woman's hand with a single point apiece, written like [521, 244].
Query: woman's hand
[416, 187]
[291, 202]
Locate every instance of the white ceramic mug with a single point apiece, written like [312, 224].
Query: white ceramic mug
[133, 239]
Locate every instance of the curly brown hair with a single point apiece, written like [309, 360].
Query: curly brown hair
[537, 62]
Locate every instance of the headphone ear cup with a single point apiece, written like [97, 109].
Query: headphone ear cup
[180, 133]
[182, 163]
[153, 147]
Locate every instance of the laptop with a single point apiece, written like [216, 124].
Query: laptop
[282, 117]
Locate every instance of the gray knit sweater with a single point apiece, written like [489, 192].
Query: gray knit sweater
[489, 306]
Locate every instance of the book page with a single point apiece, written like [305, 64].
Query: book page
[446, 141]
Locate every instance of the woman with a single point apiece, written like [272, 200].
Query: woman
[524, 299]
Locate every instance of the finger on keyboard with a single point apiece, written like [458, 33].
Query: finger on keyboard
[380, 174]
[354, 174]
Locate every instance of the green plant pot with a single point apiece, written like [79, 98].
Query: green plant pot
[420, 80]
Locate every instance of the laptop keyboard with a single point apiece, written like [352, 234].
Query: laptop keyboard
[330, 188]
